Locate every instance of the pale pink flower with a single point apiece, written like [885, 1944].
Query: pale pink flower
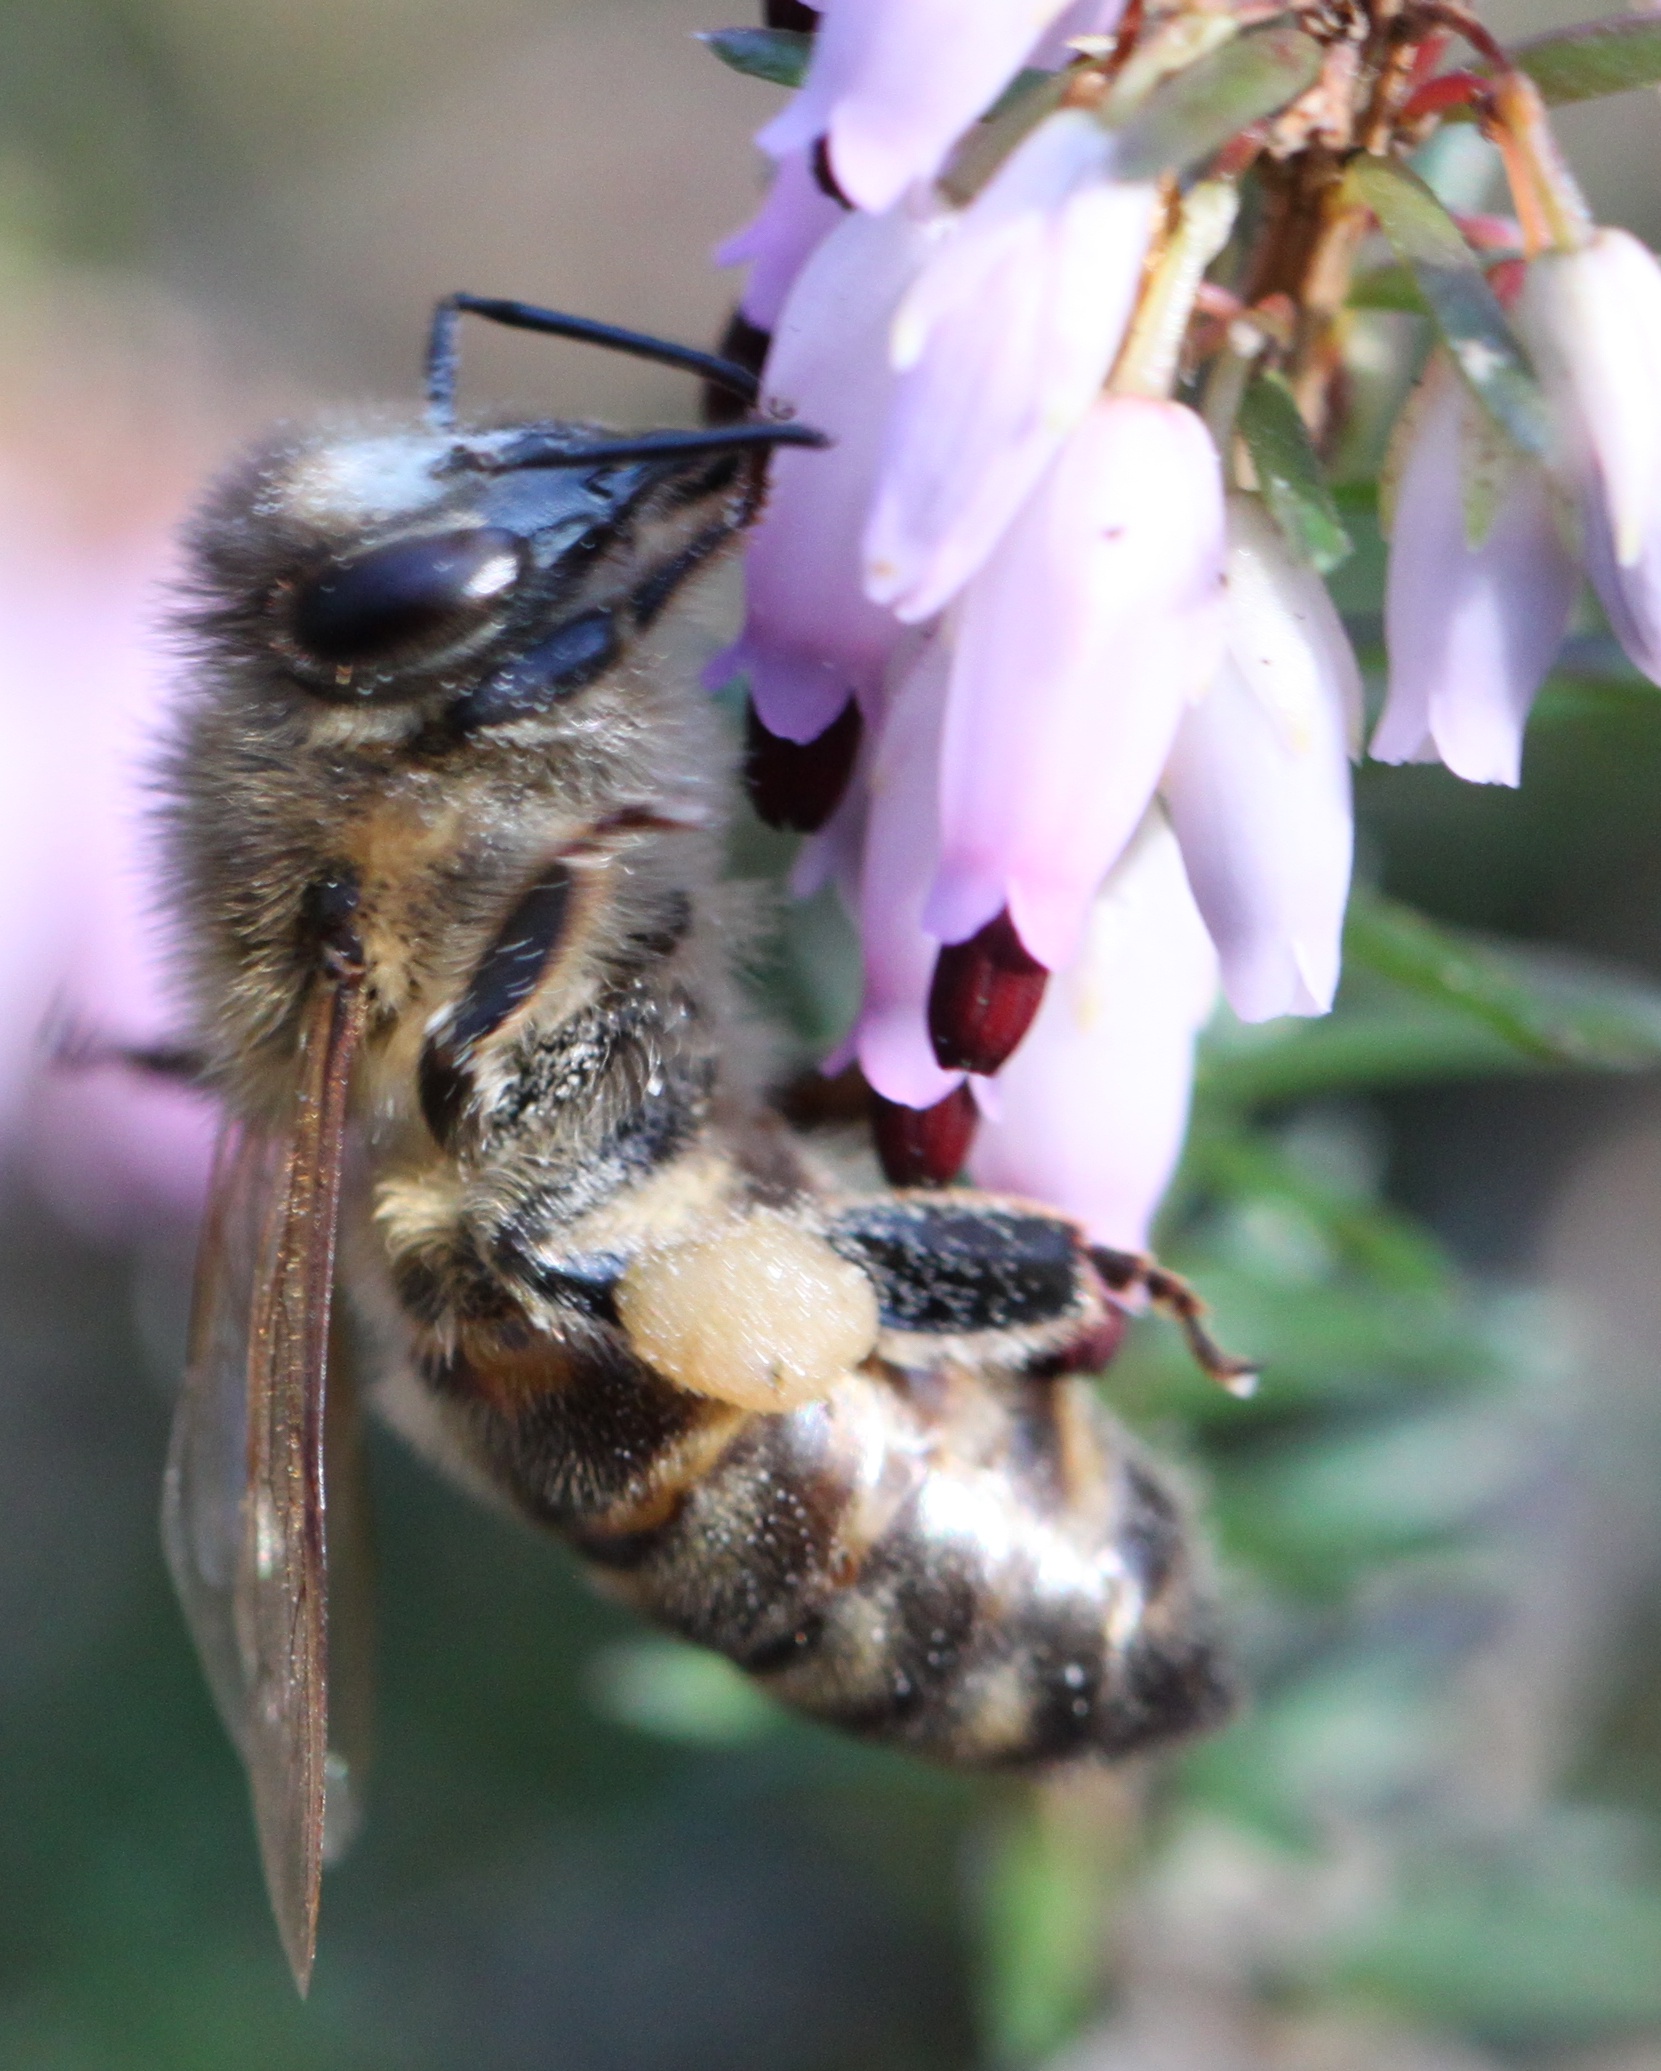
[1471, 630]
[1630, 595]
[1002, 344]
[1258, 785]
[895, 83]
[82, 961]
[796, 216]
[812, 638]
[1592, 321]
[1077, 649]
[46, 648]
[1090, 1111]
[900, 852]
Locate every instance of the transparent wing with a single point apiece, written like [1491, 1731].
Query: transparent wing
[243, 1509]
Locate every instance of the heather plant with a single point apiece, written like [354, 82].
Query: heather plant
[1140, 528]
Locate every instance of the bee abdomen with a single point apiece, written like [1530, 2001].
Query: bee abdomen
[988, 1583]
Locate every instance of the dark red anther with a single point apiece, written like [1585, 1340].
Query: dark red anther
[749, 345]
[790, 14]
[797, 784]
[1096, 1349]
[924, 1147]
[824, 173]
[983, 998]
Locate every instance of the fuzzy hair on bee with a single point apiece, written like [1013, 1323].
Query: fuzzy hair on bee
[446, 810]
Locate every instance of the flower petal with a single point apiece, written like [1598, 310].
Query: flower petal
[1471, 631]
[1592, 320]
[895, 83]
[896, 869]
[811, 637]
[1077, 648]
[1631, 596]
[775, 244]
[1258, 785]
[1091, 1110]
[1056, 247]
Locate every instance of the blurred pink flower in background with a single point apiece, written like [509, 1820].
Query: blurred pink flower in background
[90, 490]
[112, 1147]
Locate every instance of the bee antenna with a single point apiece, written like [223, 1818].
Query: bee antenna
[442, 350]
[556, 449]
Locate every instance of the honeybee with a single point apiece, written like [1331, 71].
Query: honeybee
[445, 809]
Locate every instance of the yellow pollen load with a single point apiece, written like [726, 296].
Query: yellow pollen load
[760, 1313]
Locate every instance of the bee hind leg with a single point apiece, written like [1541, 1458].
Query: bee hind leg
[1136, 1272]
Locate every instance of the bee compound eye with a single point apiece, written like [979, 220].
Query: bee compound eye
[407, 596]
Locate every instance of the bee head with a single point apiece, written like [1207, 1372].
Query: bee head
[481, 576]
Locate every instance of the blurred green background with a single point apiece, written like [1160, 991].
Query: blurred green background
[1430, 1846]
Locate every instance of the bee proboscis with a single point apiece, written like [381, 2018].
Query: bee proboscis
[446, 810]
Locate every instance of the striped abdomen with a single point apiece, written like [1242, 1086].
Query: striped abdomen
[987, 1571]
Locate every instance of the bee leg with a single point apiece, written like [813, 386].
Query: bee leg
[1011, 1286]
[758, 1312]
[1132, 1272]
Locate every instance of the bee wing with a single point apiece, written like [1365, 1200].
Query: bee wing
[243, 1510]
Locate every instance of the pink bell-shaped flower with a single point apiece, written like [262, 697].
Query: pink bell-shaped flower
[1089, 1113]
[1471, 629]
[796, 216]
[895, 83]
[897, 864]
[812, 638]
[1002, 344]
[1592, 321]
[1076, 651]
[1258, 785]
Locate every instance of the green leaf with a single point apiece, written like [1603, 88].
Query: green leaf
[1289, 472]
[1195, 111]
[1554, 1008]
[1523, 1951]
[1596, 58]
[780, 56]
[1462, 306]
[1422, 1002]
[1045, 1887]
[1387, 287]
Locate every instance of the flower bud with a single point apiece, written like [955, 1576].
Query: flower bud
[924, 1146]
[798, 784]
[983, 998]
